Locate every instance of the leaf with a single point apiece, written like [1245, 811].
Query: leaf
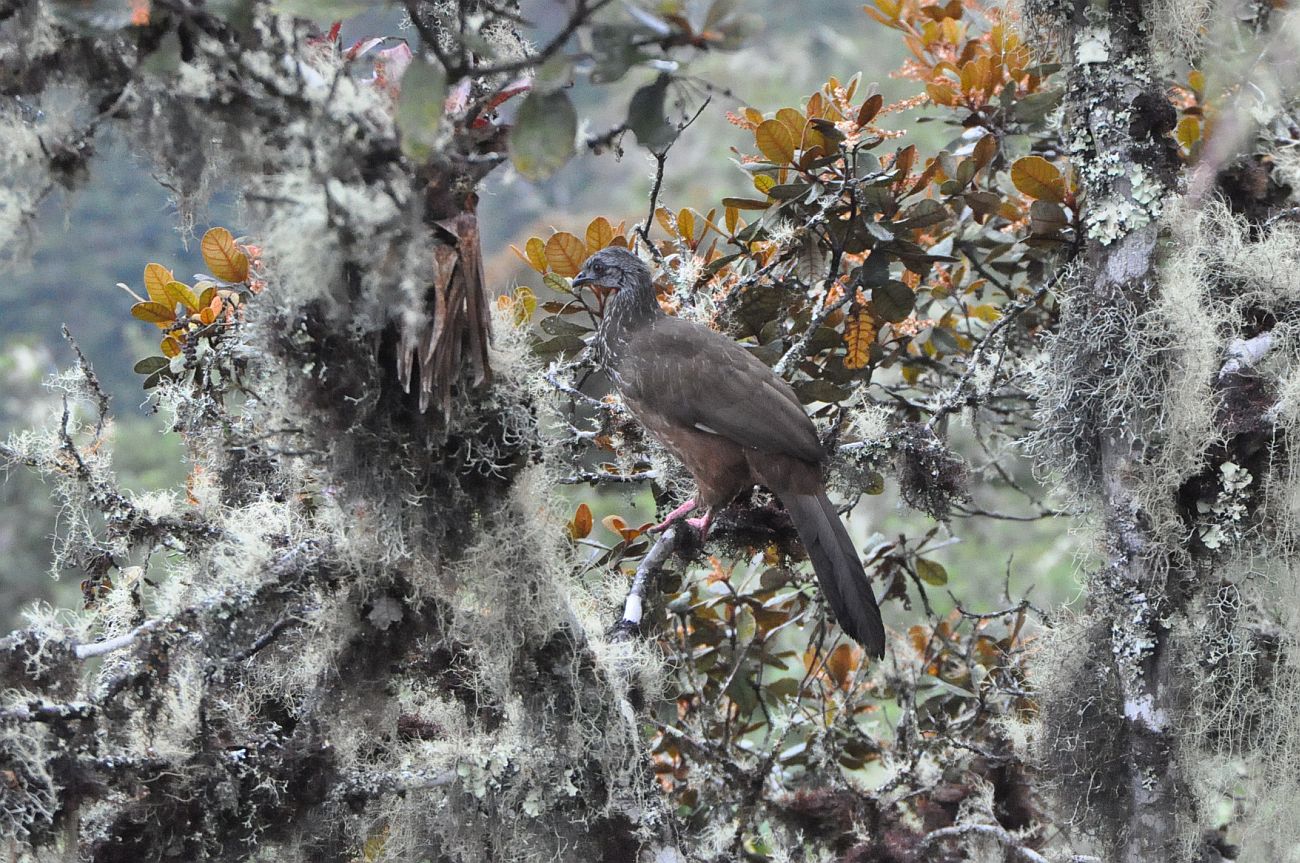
[1036, 106]
[155, 277]
[542, 138]
[1047, 218]
[931, 572]
[600, 233]
[179, 292]
[535, 249]
[820, 390]
[1038, 178]
[565, 253]
[1187, 134]
[170, 347]
[764, 183]
[557, 326]
[745, 204]
[840, 664]
[223, 257]
[985, 149]
[859, 333]
[534, 254]
[870, 108]
[559, 284]
[645, 116]
[149, 365]
[559, 345]
[775, 141]
[420, 106]
[923, 214]
[941, 94]
[153, 313]
[686, 224]
[581, 523]
[892, 301]
[525, 303]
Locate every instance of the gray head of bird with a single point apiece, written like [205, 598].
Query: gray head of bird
[627, 278]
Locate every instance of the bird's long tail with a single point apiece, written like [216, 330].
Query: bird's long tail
[838, 568]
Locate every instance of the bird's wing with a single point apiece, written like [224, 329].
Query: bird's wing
[701, 379]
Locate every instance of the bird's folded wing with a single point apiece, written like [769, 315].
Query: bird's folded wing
[701, 379]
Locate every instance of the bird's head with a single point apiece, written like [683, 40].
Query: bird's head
[622, 273]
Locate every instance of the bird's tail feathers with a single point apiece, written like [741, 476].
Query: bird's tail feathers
[839, 570]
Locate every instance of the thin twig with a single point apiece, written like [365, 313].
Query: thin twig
[992, 831]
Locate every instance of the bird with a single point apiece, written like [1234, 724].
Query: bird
[731, 420]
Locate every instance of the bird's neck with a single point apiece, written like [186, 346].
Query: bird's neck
[625, 315]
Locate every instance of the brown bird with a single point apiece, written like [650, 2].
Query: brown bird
[732, 421]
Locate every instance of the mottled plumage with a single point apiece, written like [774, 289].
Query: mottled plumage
[731, 420]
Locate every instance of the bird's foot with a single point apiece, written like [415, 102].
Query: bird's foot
[674, 517]
[702, 524]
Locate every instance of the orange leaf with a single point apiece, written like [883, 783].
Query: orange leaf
[179, 292]
[985, 149]
[731, 216]
[1188, 132]
[535, 249]
[793, 120]
[600, 233]
[565, 253]
[155, 276]
[207, 316]
[170, 347]
[222, 256]
[840, 664]
[664, 217]
[941, 94]
[153, 313]
[686, 224]
[1038, 178]
[775, 141]
[859, 333]
[614, 523]
[581, 524]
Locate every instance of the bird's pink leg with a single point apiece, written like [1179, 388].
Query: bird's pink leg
[674, 516]
[702, 523]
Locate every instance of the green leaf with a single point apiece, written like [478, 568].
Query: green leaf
[923, 214]
[645, 116]
[419, 107]
[820, 391]
[555, 74]
[1036, 106]
[892, 301]
[149, 365]
[567, 344]
[931, 572]
[542, 138]
[557, 326]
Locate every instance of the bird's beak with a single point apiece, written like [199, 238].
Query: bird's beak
[583, 278]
